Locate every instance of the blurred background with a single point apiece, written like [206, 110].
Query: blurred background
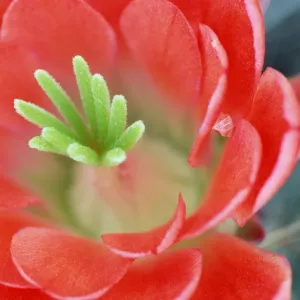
[281, 216]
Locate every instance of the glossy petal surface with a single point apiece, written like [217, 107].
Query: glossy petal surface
[214, 80]
[276, 116]
[173, 275]
[147, 243]
[56, 31]
[10, 224]
[239, 26]
[66, 266]
[163, 42]
[238, 270]
[232, 182]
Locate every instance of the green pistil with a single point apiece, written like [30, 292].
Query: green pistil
[101, 140]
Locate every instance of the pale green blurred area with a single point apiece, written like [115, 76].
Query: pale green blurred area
[283, 53]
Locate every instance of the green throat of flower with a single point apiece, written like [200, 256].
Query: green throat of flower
[102, 140]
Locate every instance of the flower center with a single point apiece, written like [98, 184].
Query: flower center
[117, 186]
[138, 195]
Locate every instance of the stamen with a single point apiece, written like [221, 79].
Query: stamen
[224, 125]
[104, 141]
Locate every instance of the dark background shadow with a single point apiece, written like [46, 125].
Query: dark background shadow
[283, 54]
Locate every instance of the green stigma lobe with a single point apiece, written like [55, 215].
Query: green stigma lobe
[131, 136]
[83, 154]
[113, 157]
[59, 140]
[39, 116]
[102, 105]
[62, 102]
[101, 140]
[83, 77]
[40, 144]
[117, 120]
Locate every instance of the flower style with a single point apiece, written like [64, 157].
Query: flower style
[191, 70]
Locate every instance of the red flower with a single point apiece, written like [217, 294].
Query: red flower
[295, 81]
[200, 63]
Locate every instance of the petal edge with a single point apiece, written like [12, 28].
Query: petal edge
[134, 245]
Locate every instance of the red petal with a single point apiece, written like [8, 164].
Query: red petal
[232, 182]
[10, 223]
[55, 31]
[296, 86]
[233, 269]
[11, 147]
[111, 10]
[239, 26]
[3, 6]
[295, 81]
[65, 265]
[13, 196]
[8, 293]
[163, 42]
[214, 61]
[173, 275]
[17, 81]
[152, 242]
[276, 116]
[264, 4]
[253, 231]
[18, 160]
